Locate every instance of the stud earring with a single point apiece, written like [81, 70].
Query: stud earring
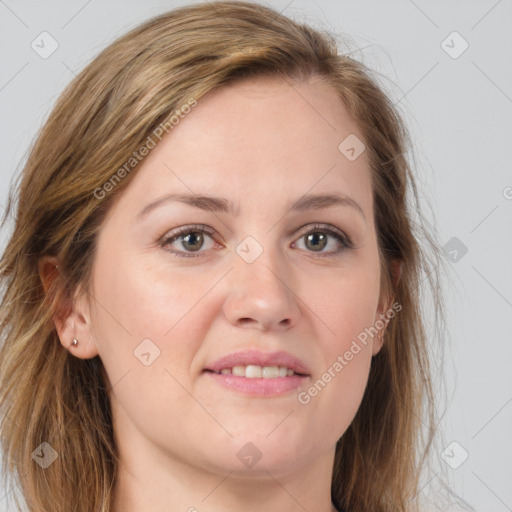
[74, 343]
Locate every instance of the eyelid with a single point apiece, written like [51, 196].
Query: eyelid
[328, 228]
[171, 236]
[175, 233]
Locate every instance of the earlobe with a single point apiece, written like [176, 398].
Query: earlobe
[71, 317]
[380, 323]
[75, 333]
[385, 305]
[378, 341]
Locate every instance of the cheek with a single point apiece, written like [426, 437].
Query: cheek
[175, 310]
[142, 315]
[138, 299]
[346, 304]
[344, 301]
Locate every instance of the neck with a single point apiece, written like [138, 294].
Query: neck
[156, 482]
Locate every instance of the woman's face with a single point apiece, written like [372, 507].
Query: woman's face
[266, 270]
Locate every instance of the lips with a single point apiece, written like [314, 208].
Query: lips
[256, 358]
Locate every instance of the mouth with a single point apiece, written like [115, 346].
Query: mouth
[255, 364]
[260, 374]
[267, 386]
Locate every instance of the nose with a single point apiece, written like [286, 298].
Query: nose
[261, 295]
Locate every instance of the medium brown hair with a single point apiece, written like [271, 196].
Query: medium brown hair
[106, 113]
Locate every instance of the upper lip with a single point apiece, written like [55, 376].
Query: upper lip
[258, 358]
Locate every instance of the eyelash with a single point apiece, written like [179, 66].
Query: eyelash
[343, 239]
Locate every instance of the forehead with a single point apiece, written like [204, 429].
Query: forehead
[256, 138]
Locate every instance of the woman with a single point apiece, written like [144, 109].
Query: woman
[211, 292]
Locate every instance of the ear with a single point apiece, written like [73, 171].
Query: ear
[71, 317]
[382, 316]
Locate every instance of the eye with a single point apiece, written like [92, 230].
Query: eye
[187, 240]
[319, 237]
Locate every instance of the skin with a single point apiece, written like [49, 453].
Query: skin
[261, 143]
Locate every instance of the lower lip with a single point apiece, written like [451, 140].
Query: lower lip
[261, 387]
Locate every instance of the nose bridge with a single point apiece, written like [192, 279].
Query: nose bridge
[261, 292]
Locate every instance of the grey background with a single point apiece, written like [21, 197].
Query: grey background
[459, 112]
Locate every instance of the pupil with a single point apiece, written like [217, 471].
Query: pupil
[315, 238]
[194, 237]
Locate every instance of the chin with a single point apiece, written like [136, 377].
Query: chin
[258, 453]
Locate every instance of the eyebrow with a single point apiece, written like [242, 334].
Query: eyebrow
[222, 205]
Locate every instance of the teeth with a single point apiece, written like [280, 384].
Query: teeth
[253, 372]
[239, 371]
[270, 372]
[257, 372]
